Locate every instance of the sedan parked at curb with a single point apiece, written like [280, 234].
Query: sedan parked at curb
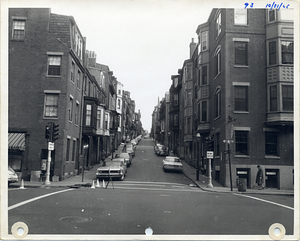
[172, 163]
[126, 156]
[12, 175]
[116, 168]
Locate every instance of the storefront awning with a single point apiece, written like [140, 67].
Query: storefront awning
[16, 141]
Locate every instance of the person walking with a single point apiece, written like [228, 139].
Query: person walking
[259, 178]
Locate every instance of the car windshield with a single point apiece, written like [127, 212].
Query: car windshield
[114, 164]
[172, 159]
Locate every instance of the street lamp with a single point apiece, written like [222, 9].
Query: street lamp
[85, 147]
[198, 136]
[169, 134]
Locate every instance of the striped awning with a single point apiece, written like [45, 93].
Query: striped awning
[16, 141]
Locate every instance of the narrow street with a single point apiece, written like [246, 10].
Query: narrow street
[148, 197]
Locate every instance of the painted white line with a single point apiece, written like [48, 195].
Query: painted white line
[164, 195]
[262, 200]
[36, 198]
[160, 189]
[168, 183]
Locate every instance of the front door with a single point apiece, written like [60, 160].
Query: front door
[272, 178]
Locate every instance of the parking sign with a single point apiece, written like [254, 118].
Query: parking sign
[209, 154]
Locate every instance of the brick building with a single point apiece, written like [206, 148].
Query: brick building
[237, 93]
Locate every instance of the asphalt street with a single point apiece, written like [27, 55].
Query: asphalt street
[148, 197]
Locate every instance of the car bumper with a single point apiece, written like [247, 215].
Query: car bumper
[173, 168]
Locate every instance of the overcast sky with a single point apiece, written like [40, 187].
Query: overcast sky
[143, 42]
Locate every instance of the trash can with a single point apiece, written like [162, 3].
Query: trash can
[241, 184]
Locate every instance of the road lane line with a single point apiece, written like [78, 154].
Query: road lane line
[36, 198]
[262, 200]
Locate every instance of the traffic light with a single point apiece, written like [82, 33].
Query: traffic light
[54, 135]
[47, 132]
[210, 143]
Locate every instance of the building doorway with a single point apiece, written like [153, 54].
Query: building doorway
[244, 173]
[272, 178]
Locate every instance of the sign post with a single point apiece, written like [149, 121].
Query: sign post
[209, 156]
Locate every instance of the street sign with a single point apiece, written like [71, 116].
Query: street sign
[50, 146]
[209, 154]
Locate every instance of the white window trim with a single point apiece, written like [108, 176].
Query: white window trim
[241, 83]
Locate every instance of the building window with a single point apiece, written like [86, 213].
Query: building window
[287, 97]
[85, 84]
[241, 142]
[218, 62]
[203, 111]
[175, 99]
[68, 150]
[72, 71]
[273, 98]
[287, 52]
[51, 105]
[73, 151]
[204, 75]
[241, 53]
[175, 120]
[77, 113]
[18, 29]
[98, 119]
[204, 40]
[189, 97]
[240, 16]
[188, 125]
[217, 103]
[271, 146]
[272, 16]
[54, 63]
[119, 104]
[70, 108]
[241, 98]
[218, 24]
[272, 53]
[88, 115]
[217, 141]
[189, 71]
[106, 121]
[78, 79]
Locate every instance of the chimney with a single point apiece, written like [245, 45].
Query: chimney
[192, 47]
[91, 58]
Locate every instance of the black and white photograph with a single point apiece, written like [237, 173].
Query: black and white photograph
[149, 120]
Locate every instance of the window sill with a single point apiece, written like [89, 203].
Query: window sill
[241, 66]
[50, 118]
[241, 25]
[272, 157]
[240, 112]
[17, 40]
[242, 156]
[53, 76]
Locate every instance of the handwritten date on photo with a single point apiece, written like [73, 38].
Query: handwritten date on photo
[271, 6]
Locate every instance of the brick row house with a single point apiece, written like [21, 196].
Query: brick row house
[236, 92]
[53, 78]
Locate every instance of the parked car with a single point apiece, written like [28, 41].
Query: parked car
[12, 175]
[162, 151]
[126, 156]
[116, 168]
[130, 149]
[172, 163]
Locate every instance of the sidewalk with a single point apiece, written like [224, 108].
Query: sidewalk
[189, 171]
[73, 181]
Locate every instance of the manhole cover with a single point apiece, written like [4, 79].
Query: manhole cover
[75, 219]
